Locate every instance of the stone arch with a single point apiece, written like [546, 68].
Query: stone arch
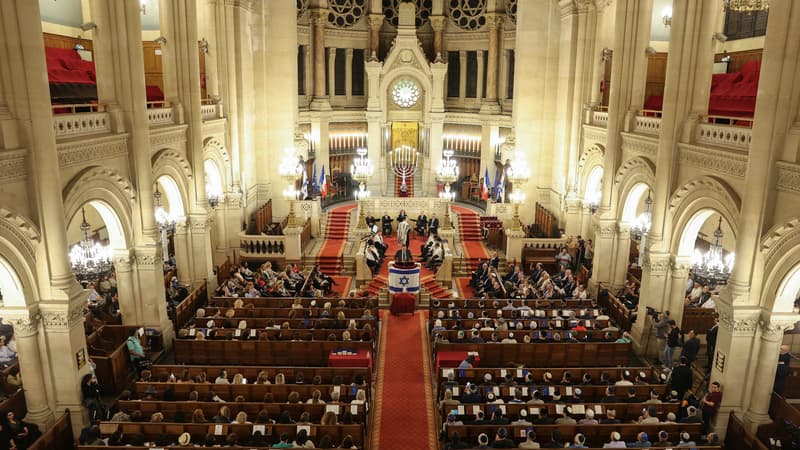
[629, 179]
[694, 202]
[110, 193]
[172, 164]
[19, 250]
[214, 150]
[780, 249]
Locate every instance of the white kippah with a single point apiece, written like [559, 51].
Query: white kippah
[615, 436]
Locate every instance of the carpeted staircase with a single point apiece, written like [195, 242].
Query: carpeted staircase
[374, 287]
[336, 231]
[434, 287]
[398, 181]
[470, 227]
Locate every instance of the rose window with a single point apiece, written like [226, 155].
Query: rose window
[468, 14]
[346, 13]
[405, 93]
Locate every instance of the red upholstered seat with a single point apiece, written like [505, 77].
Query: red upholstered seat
[403, 303]
[154, 94]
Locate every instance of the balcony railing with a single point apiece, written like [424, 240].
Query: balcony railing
[736, 133]
[600, 117]
[210, 111]
[160, 113]
[260, 246]
[648, 124]
[80, 120]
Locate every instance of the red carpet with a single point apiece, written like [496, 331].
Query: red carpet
[464, 289]
[329, 257]
[404, 409]
[342, 285]
[471, 237]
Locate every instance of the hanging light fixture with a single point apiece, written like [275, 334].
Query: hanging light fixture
[143, 6]
[291, 169]
[712, 268]
[748, 6]
[89, 258]
[518, 172]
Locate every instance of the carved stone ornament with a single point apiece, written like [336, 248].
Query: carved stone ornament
[25, 325]
[773, 331]
[788, 176]
[739, 323]
[13, 164]
[146, 260]
[606, 232]
[55, 319]
[656, 264]
[88, 150]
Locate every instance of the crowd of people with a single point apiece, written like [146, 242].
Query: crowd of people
[487, 282]
[266, 282]
[432, 251]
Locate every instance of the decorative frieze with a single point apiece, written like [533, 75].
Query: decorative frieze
[788, 176]
[167, 137]
[146, 261]
[12, 165]
[24, 325]
[23, 229]
[90, 150]
[726, 162]
[640, 144]
[55, 319]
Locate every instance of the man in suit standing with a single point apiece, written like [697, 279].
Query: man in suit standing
[404, 257]
[403, 229]
[691, 347]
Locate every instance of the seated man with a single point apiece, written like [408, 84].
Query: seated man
[422, 224]
[373, 258]
[437, 256]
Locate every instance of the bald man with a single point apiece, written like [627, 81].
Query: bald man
[783, 370]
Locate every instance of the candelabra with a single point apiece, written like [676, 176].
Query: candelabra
[712, 268]
[447, 174]
[518, 173]
[291, 169]
[361, 170]
[88, 257]
[404, 161]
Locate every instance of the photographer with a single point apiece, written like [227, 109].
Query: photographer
[661, 327]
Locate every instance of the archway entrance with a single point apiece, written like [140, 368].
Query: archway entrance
[11, 293]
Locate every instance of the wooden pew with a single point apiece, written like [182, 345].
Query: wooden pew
[624, 411]
[347, 374]
[473, 303]
[57, 437]
[304, 334]
[274, 312]
[538, 313]
[615, 309]
[15, 402]
[535, 335]
[547, 355]
[108, 351]
[262, 322]
[739, 437]
[286, 302]
[155, 430]
[780, 411]
[591, 393]
[596, 435]
[698, 319]
[615, 373]
[210, 409]
[185, 310]
[251, 392]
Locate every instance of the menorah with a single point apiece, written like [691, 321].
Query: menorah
[404, 163]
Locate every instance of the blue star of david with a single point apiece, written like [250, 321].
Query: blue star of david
[404, 280]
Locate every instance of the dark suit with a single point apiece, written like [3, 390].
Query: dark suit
[386, 225]
[422, 224]
[681, 380]
[433, 226]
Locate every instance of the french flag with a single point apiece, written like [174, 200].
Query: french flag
[323, 183]
[485, 187]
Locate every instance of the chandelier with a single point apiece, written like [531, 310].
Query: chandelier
[448, 168]
[362, 169]
[747, 6]
[643, 223]
[712, 268]
[89, 258]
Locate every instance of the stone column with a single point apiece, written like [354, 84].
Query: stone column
[573, 226]
[319, 18]
[479, 93]
[184, 259]
[674, 296]
[655, 269]
[623, 251]
[200, 244]
[26, 332]
[128, 306]
[208, 31]
[462, 84]
[438, 24]
[605, 231]
[149, 274]
[765, 367]
[375, 24]
[490, 105]
[331, 72]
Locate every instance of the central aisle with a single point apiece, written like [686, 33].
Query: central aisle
[404, 416]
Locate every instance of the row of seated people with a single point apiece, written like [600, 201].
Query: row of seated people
[520, 304]
[296, 303]
[288, 330]
[132, 435]
[503, 437]
[487, 281]
[602, 376]
[297, 309]
[266, 282]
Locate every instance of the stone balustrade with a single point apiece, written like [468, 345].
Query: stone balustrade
[81, 124]
[160, 115]
[262, 246]
[600, 118]
[211, 111]
[724, 135]
[647, 125]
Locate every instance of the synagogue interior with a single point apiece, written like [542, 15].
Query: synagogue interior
[399, 224]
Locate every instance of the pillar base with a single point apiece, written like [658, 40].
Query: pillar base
[321, 104]
[491, 107]
[754, 419]
[42, 417]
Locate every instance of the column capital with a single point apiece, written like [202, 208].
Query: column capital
[437, 23]
[656, 263]
[739, 321]
[147, 257]
[601, 5]
[680, 266]
[494, 21]
[772, 329]
[244, 4]
[25, 321]
[122, 260]
[319, 17]
[572, 7]
[376, 21]
[61, 316]
[198, 223]
[606, 229]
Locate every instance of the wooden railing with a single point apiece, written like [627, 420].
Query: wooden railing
[224, 271]
[739, 437]
[262, 246]
[186, 309]
[264, 217]
[617, 311]
[58, 437]
[546, 223]
[305, 236]
[698, 319]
